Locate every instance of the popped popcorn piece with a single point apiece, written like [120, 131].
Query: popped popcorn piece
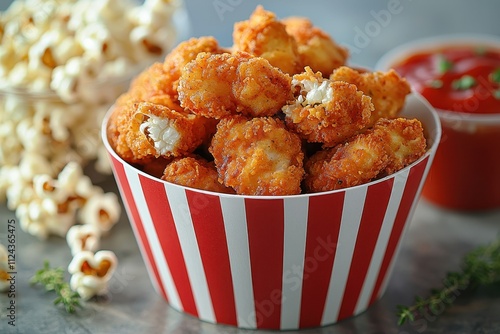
[19, 192]
[10, 147]
[6, 174]
[4, 269]
[92, 272]
[33, 164]
[103, 164]
[85, 189]
[47, 205]
[32, 139]
[44, 217]
[70, 175]
[101, 211]
[15, 108]
[46, 187]
[83, 238]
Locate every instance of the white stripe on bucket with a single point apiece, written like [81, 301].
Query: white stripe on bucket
[351, 219]
[156, 250]
[405, 174]
[381, 245]
[296, 213]
[234, 214]
[142, 247]
[187, 239]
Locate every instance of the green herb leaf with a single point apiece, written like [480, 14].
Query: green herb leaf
[465, 82]
[496, 94]
[404, 314]
[444, 65]
[436, 83]
[53, 280]
[495, 75]
[479, 267]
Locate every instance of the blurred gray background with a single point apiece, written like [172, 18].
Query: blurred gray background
[368, 27]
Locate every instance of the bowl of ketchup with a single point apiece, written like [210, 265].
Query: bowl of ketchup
[460, 77]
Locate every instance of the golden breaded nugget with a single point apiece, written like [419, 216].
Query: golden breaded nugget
[224, 84]
[182, 54]
[258, 156]
[324, 111]
[155, 130]
[263, 35]
[194, 173]
[316, 48]
[387, 89]
[124, 109]
[386, 148]
[405, 142]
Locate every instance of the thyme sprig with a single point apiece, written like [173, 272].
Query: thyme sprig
[53, 280]
[479, 267]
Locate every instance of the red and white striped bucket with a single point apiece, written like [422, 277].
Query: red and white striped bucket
[284, 262]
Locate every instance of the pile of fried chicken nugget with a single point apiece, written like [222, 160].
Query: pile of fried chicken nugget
[278, 113]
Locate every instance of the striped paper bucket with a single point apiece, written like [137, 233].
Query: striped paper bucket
[284, 262]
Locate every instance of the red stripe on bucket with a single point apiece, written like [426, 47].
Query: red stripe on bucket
[135, 219]
[325, 215]
[161, 215]
[411, 187]
[376, 202]
[208, 223]
[265, 225]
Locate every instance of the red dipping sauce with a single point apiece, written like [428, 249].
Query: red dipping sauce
[461, 79]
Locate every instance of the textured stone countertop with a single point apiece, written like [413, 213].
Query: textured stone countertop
[434, 243]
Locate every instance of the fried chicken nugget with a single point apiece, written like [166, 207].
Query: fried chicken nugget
[114, 131]
[218, 85]
[405, 142]
[182, 54]
[387, 89]
[326, 111]
[155, 130]
[150, 85]
[316, 48]
[152, 81]
[195, 173]
[386, 148]
[265, 36]
[258, 156]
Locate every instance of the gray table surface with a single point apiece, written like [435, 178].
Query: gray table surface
[434, 244]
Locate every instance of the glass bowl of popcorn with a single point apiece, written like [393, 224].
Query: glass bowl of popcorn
[62, 64]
